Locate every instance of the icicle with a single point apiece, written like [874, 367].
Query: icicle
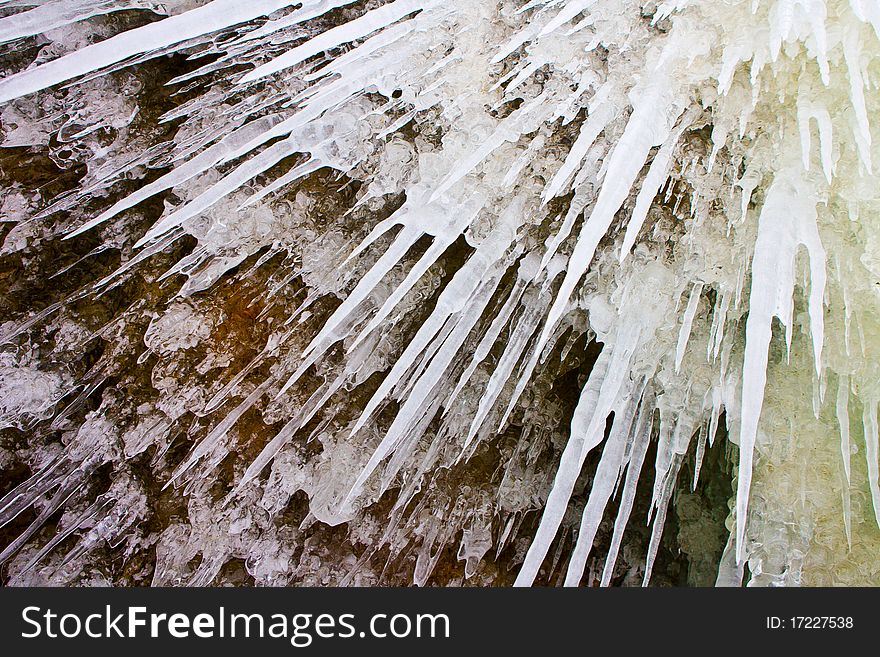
[862, 135]
[175, 29]
[657, 174]
[600, 116]
[602, 486]
[373, 20]
[872, 454]
[454, 299]
[52, 15]
[687, 323]
[598, 398]
[660, 519]
[641, 439]
[788, 219]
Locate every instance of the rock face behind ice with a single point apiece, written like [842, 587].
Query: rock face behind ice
[365, 291]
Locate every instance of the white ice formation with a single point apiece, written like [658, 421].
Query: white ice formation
[413, 227]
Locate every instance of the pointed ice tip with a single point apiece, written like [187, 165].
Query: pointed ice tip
[436, 194]
[345, 508]
[284, 389]
[740, 538]
[224, 504]
[253, 76]
[142, 242]
[88, 226]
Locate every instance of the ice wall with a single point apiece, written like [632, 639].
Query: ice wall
[675, 200]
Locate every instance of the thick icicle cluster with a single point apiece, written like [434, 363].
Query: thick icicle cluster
[428, 214]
